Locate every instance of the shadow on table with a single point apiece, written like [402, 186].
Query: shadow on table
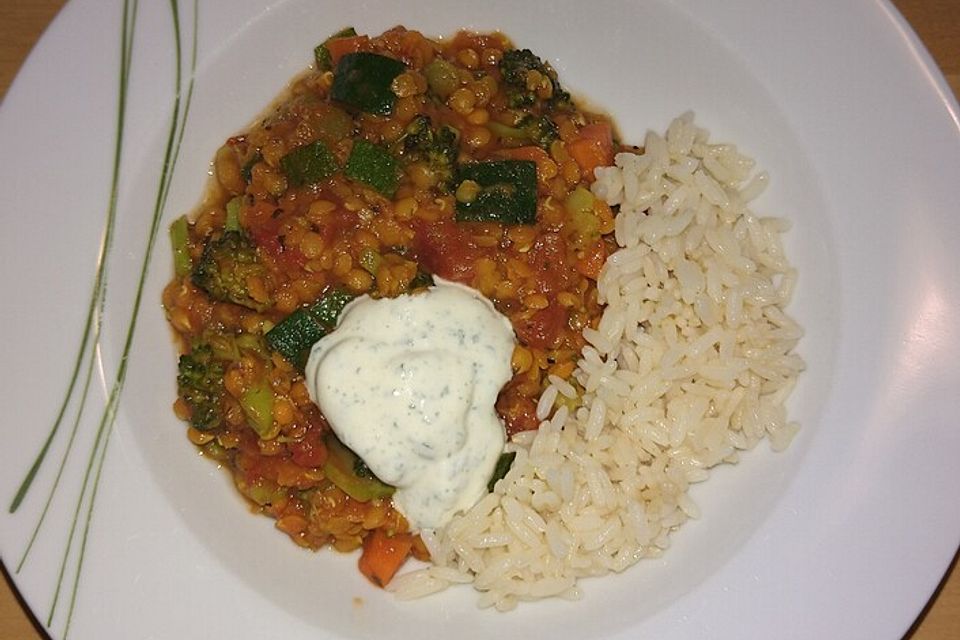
[23, 605]
[936, 592]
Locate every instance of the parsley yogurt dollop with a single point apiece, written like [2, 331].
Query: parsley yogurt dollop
[409, 384]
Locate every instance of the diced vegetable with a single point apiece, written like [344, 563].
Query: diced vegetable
[227, 266]
[582, 219]
[530, 81]
[253, 343]
[257, 405]
[309, 164]
[370, 260]
[546, 167]
[341, 469]
[504, 191]
[442, 77]
[437, 148]
[295, 334]
[592, 148]
[519, 412]
[542, 329]
[200, 381]
[383, 555]
[373, 165]
[179, 239]
[310, 451]
[503, 465]
[321, 53]
[448, 250]
[541, 131]
[264, 491]
[362, 80]
[200, 386]
[331, 124]
[580, 200]
[233, 214]
[340, 47]
[267, 230]
[328, 308]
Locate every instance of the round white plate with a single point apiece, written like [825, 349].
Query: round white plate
[124, 532]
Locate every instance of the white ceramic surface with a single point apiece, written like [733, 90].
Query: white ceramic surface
[843, 536]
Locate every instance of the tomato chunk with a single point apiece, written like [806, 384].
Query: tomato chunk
[309, 452]
[519, 412]
[264, 227]
[544, 328]
[339, 47]
[446, 249]
[548, 258]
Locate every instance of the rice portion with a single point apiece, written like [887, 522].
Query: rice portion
[690, 364]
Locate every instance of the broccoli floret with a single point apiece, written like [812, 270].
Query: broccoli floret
[531, 129]
[438, 147]
[200, 380]
[541, 131]
[200, 385]
[531, 81]
[225, 267]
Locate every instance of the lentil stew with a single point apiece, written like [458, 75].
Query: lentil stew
[393, 159]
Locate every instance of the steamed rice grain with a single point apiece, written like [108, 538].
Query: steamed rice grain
[691, 362]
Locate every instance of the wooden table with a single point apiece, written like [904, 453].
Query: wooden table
[936, 21]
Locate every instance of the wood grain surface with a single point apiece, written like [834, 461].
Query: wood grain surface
[937, 22]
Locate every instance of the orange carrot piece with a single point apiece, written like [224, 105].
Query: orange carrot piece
[383, 555]
[339, 47]
[593, 147]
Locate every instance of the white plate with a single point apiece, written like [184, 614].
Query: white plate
[843, 536]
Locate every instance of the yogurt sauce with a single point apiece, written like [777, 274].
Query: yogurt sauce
[409, 383]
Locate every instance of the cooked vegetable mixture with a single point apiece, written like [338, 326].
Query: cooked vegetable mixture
[394, 159]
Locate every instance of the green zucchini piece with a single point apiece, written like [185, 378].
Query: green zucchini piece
[507, 192]
[233, 214]
[331, 123]
[585, 224]
[295, 334]
[373, 165]
[264, 491]
[503, 465]
[370, 260]
[362, 80]
[321, 55]
[309, 164]
[179, 240]
[257, 405]
[293, 337]
[345, 469]
[326, 310]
